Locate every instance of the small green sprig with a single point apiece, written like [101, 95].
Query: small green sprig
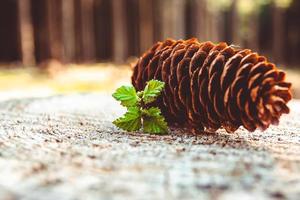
[139, 114]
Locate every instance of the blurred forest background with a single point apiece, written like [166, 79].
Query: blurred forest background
[34, 33]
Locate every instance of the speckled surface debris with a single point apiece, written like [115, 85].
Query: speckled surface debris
[65, 147]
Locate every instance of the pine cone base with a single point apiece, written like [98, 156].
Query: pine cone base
[209, 86]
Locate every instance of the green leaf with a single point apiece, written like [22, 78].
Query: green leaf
[153, 121]
[131, 121]
[140, 94]
[127, 95]
[152, 90]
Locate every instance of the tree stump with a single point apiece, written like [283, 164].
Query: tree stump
[65, 147]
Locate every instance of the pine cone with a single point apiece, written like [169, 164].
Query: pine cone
[214, 85]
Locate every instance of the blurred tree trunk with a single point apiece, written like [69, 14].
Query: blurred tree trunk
[10, 49]
[166, 24]
[178, 19]
[235, 27]
[200, 17]
[227, 26]
[216, 29]
[157, 20]
[252, 32]
[133, 27]
[103, 29]
[146, 24]
[189, 19]
[68, 27]
[278, 34]
[120, 36]
[85, 43]
[173, 19]
[26, 33]
[292, 34]
[221, 25]
[41, 30]
[54, 24]
[87, 28]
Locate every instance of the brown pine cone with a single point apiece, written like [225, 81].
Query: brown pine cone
[214, 85]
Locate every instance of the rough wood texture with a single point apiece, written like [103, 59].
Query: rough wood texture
[65, 147]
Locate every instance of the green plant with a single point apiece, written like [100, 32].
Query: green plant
[139, 114]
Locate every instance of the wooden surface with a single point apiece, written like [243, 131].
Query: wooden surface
[65, 147]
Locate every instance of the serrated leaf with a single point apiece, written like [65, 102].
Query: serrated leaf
[153, 121]
[130, 121]
[127, 95]
[152, 90]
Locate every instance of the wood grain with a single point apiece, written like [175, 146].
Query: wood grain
[65, 147]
